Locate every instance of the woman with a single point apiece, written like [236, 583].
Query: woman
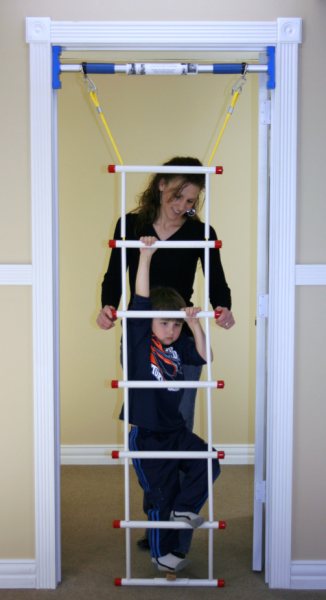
[168, 210]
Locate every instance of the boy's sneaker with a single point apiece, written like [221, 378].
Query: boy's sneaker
[187, 517]
[170, 563]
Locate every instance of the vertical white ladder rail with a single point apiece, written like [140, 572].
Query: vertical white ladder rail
[125, 374]
[209, 377]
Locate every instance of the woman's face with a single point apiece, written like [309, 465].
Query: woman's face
[177, 197]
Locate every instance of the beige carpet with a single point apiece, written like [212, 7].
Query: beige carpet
[93, 552]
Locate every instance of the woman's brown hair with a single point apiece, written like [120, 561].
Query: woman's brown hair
[149, 201]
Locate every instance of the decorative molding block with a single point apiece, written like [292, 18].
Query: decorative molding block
[289, 30]
[38, 29]
[17, 574]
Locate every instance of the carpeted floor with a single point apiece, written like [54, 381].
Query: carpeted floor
[93, 552]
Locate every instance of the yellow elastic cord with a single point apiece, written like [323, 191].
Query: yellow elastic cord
[95, 100]
[234, 99]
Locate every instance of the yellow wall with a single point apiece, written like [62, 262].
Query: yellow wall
[309, 444]
[16, 439]
[152, 119]
[15, 247]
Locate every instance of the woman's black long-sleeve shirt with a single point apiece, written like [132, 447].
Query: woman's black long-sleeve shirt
[171, 267]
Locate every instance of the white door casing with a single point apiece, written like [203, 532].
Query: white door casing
[285, 35]
[258, 554]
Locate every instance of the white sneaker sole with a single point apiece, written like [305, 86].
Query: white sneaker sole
[194, 523]
[166, 569]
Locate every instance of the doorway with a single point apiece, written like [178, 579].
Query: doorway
[150, 116]
[152, 119]
[286, 35]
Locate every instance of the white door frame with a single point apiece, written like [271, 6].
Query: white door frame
[285, 34]
[259, 500]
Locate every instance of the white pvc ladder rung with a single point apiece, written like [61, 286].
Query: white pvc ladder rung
[215, 244]
[157, 314]
[165, 582]
[165, 525]
[220, 454]
[115, 383]
[217, 170]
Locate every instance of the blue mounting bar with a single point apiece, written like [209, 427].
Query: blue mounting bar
[271, 67]
[160, 68]
[56, 67]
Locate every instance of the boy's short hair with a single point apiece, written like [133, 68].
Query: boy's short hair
[166, 298]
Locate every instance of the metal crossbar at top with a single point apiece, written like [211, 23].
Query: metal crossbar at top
[163, 68]
[142, 68]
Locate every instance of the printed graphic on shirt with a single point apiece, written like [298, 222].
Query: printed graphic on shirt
[165, 362]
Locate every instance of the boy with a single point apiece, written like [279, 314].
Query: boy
[157, 350]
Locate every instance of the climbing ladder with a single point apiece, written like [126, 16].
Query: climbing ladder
[126, 384]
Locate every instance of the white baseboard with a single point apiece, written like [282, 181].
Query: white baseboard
[308, 575]
[17, 574]
[21, 574]
[235, 454]
[87, 455]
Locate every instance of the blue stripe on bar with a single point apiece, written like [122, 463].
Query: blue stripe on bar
[228, 68]
[100, 68]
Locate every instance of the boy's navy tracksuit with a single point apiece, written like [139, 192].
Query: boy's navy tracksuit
[157, 425]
